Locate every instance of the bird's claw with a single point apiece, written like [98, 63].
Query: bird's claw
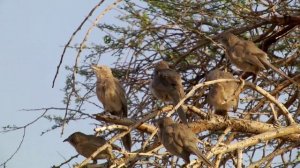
[276, 124]
[209, 115]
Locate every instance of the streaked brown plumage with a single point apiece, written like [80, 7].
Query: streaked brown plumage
[222, 96]
[86, 145]
[247, 56]
[179, 140]
[166, 85]
[112, 95]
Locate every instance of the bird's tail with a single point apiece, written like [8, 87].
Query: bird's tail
[127, 142]
[202, 157]
[281, 73]
[181, 112]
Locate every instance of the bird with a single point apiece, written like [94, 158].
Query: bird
[112, 95]
[166, 86]
[224, 95]
[179, 140]
[247, 56]
[86, 145]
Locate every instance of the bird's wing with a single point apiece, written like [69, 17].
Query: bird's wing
[197, 152]
[86, 149]
[168, 134]
[100, 91]
[249, 53]
[99, 141]
[169, 141]
[179, 134]
[95, 141]
[263, 57]
[252, 48]
[189, 142]
[122, 95]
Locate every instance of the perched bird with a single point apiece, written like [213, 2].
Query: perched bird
[247, 56]
[86, 145]
[166, 85]
[222, 96]
[112, 95]
[179, 140]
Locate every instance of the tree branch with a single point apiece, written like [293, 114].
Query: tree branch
[277, 133]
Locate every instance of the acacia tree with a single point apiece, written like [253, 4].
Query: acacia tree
[185, 33]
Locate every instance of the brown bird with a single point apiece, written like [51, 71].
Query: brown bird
[86, 145]
[112, 95]
[247, 56]
[179, 140]
[166, 85]
[222, 96]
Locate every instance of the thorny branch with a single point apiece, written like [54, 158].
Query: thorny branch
[71, 39]
[185, 34]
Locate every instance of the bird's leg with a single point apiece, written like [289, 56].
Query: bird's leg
[226, 117]
[209, 113]
[254, 76]
[107, 112]
[158, 104]
[239, 89]
[245, 75]
[165, 159]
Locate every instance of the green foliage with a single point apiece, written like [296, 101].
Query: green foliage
[185, 34]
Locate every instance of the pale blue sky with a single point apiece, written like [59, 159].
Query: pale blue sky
[32, 36]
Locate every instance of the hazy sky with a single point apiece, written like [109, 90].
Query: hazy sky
[32, 36]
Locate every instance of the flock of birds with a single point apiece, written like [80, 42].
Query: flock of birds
[166, 86]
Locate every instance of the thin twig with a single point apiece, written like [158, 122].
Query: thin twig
[18, 148]
[71, 38]
[65, 162]
[116, 137]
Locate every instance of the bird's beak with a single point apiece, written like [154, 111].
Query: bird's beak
[66, 140]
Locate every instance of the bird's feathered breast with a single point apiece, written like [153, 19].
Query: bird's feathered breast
[169, 77]
[112, 95]
[86, 149]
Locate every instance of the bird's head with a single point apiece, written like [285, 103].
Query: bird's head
[163, 122]
[101, 71]
[213, 75]
[75, 138]
[227, 39]
[161, 65]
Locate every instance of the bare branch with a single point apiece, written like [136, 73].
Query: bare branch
[280, 132]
